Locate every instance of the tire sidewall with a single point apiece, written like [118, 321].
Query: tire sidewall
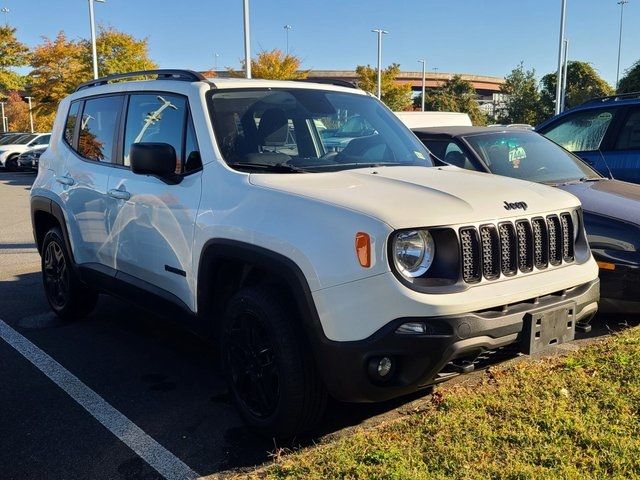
[287, 352]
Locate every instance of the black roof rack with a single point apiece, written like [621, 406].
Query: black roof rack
[329, 81]
[181, 75]
[613, 98]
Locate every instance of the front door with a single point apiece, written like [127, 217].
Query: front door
[152, 221]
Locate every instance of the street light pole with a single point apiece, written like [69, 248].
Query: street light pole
[559, 74]
[622, 4]
[30, 113]
[563, 95]
[5, 10]
[424, 79]
[247, 39]
[92, 22]
[4, 119]
[380, 32]
[286, 29]
[215, 62]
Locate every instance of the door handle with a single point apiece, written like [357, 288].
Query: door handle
[65, 180]
[119, 194]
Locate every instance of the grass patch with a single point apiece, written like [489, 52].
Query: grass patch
[572, 417]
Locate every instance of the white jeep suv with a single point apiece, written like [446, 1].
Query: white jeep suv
[363, 271]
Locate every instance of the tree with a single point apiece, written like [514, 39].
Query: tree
[17, 111]
[395, 95]
[274, 65]
[118, 52]
[631, 80]
[583, 83]
[58, 66]
[522, 97]
[12, 54]
[454, 95]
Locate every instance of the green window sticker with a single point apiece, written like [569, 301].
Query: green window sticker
[516, 155]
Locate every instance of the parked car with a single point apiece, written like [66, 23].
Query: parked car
[30, 158]
[365, 273]
[611, 207]
[10, 151]
[604, 132]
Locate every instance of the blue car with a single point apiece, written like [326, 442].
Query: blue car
[604, 132]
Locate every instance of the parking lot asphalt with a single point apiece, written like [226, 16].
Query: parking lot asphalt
[152, 373]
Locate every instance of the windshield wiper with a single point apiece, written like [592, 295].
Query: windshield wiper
[269, 167]
[591, 179]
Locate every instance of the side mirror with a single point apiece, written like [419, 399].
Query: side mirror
[153, 159]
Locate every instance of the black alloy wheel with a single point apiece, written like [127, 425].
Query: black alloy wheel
[56, 275]
[254, 365]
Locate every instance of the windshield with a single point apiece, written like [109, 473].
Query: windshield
[304, 130]
[21, 140]
[9, 138]
[528, 156]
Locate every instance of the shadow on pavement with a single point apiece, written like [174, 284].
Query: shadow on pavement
[18, 179]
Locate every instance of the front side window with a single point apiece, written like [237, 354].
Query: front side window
[581, 131]
[156, 118]
[23, 140]
[528, 156]
[98, 127]
[450, 152]
[629, 137]
[41, 140]
[309, 130]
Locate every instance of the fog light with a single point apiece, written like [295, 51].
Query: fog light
[384, 366]
[381, 368]
[412, 328]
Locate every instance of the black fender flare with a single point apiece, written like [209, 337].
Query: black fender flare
[51, 207]
[285, 268]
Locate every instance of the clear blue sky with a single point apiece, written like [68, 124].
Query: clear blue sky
[466, 36]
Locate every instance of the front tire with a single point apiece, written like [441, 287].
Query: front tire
[270, 373]
[68, 297]
[11, 164]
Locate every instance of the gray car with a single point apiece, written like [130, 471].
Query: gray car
[611, 207]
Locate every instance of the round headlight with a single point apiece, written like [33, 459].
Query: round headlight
[413, 252]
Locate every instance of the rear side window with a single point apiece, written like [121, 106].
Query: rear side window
[157, 119]
[581, 131]
[629, 137]
[42, 140]
[98, 128]
[70, 125]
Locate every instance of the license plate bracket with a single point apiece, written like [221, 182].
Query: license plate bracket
[547, 327]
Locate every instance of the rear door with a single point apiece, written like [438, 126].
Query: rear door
[623, 155]
[152, 221]
[585, 133]
[90, 134]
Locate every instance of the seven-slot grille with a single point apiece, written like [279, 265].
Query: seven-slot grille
[489, 251]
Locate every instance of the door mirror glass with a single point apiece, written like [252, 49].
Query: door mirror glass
[153, 159]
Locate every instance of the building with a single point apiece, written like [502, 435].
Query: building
[485, 86]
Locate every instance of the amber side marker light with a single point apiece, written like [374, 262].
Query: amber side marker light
[606, 266]
[363, 249]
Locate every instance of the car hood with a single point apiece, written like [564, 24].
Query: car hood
[405, 197]
[611, 198]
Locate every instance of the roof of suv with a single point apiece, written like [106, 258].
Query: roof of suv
[595, 103]
[189, 76]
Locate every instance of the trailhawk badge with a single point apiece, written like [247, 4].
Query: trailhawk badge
[515, 205]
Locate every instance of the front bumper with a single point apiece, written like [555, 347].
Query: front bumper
[620, 286]
[418, 359]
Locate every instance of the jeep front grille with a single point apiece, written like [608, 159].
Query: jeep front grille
[511, 247]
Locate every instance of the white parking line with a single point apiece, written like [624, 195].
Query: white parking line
[167, 464]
